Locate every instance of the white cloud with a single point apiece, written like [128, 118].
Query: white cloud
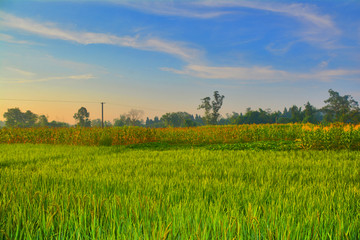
[173, 9]
[279, 48]
[255, 73]
[49, 30]
[213, 9]
[33, 80]
[331, 74]
[20, 71]
[80, 77]
[11, 39]
[317, 28]
[303, 12]
[324, 64]
[261, 74]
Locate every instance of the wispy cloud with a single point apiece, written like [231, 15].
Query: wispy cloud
[280, 48]
[20, 71]
[317, 28]
[233, 73]
[260, 74]
[50, 30]
[332, 74]
[174, 9]
[212, 9]
[304, 12]
[11, 39]
[33, 80]
[323, 64]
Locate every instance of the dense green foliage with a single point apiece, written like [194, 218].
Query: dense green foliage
[14, 117]
[68, 192]
[341, 108]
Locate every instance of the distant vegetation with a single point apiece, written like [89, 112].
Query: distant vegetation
[337, 109]
[172, 180]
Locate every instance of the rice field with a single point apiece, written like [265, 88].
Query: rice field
[280, 181]
[91, 192]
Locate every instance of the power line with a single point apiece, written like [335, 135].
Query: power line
[72, 101]
[38, 100]
[151, 109]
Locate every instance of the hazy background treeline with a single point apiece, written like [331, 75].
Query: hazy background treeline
[337, 109]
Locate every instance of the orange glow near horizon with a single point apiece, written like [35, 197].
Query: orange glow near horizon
[64, 112]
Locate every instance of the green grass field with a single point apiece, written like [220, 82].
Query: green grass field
[82, 192]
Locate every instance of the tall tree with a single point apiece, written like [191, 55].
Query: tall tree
[206, 105]
[13, 117]
[296, 114]
[82, 117]
[135, 117]
[310, 114]
[341, 108]
[212, 108]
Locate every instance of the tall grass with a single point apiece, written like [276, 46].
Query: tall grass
[68, 192]
[308, 136]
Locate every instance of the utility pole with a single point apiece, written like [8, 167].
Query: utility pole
[102, 114]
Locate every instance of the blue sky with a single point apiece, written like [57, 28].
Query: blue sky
[164, 56]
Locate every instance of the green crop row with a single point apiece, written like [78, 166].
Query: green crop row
[304, 136]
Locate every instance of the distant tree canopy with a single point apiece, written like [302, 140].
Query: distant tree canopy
[98, 123]
[257, 117]
[175, 119]
[16, 118]
[154, 123]
[260, 116]
[338, 109]
[123, 120]
[58, 124]
[178, 119]
[82, 117]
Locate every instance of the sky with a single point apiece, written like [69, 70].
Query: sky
[165, 56]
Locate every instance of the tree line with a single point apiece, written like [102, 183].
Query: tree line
[337, 109]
